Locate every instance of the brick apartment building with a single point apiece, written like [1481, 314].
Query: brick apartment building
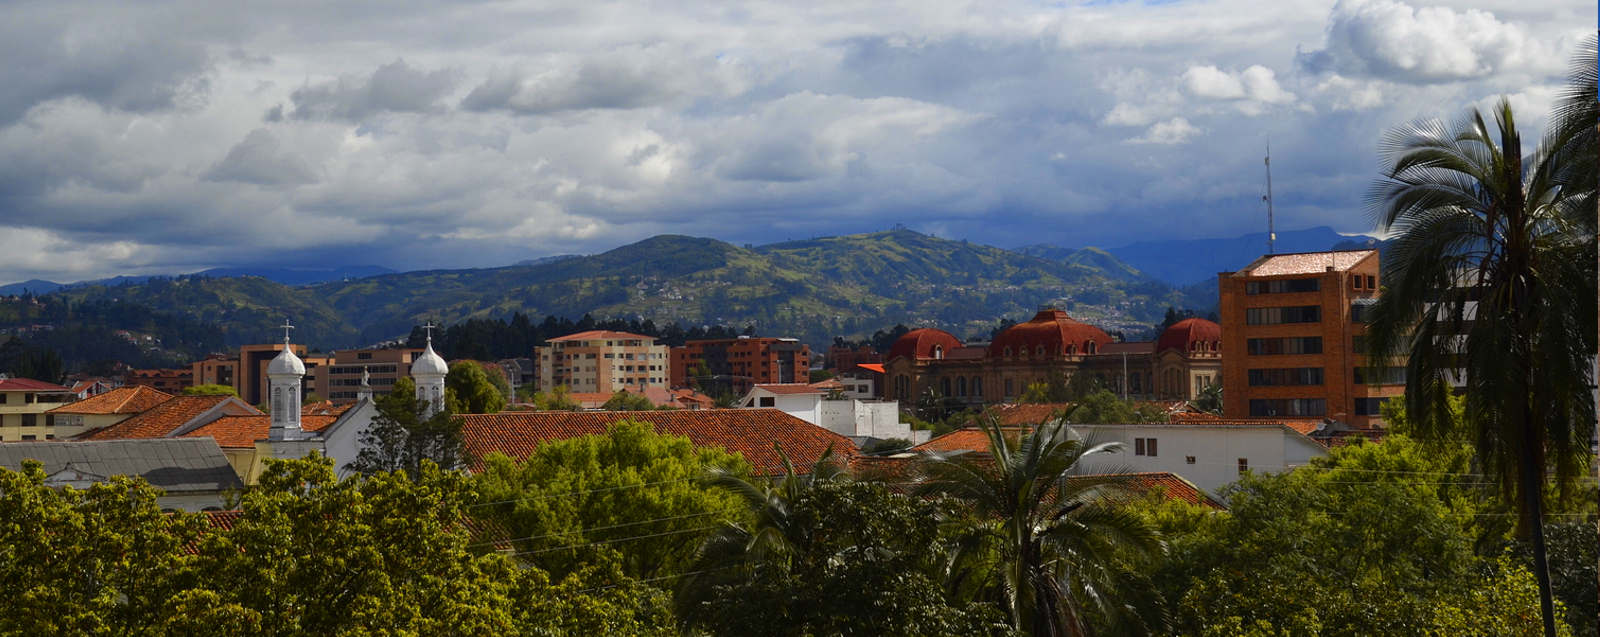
[603, 361]
[740, 363]
[1291, 348]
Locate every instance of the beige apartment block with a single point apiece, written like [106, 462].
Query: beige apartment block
[603, 361]
[23, 403]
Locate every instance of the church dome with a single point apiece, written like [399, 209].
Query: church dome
[286, 364]
[1050, 333]
[1191, 335]
[429, 363]
[924, 344]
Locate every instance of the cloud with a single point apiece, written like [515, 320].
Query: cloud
[1256, 83]
[1173, 131]
[622, 78]
[1398, 42]
[260, 159]
[395, 87]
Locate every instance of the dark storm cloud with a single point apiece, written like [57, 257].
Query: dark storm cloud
[115, 68]
[396, 87]
[260, 159]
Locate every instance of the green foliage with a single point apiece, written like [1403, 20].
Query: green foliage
[215, 390]
[1060, 387]
[1210, 398]
[819, 375]
[887, 445]
[404, 438]
[558, 399]
[1104, 407]
[823, 555]
[631, 491]
[1058, 555]
[624, 401]
[474, 389]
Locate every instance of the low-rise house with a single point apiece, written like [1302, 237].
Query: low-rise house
[104, 410]
[193, 472]
[859, 419]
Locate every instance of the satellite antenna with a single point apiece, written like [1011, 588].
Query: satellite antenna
[1272, 236]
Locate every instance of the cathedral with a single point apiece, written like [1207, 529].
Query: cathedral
[1177, 366]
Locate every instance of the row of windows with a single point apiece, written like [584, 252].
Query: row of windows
[1369, 406]
[1289, 286]
[1282, 315]
[1380, 376]
[1285, 376]
[1270, 407]
[1284, 346]
[1089, 347]
[1148, 447]
[1363, 282]
[345, 370]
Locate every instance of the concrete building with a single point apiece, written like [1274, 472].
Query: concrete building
[171, 381]
[603, 361]
[381, 368]
[737, 364]
[857, 419]
[24, 407]
[1177, 366]
[193, 472]
[1292, 349]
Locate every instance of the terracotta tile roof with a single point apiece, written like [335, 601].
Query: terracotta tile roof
[160, 420]
[750, 432]
[1170, 485]
[242, 432]
[223, 520]
[1304, 263]
[1029, 413]
[828, 385]
[600, 334]
[29, 384]
[965, 439]
[789, 389]
[123, 400]
[895, 471]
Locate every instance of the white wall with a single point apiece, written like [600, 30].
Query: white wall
[1216, 451]
[859, 418]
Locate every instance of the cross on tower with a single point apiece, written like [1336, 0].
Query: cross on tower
[286, 327]
[429, 329]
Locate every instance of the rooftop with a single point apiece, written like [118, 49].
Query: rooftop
[173, 464]
[788, 389]
[122, 400]
[29, 384]
[1304, 263]
[160, 420]
[602, 334]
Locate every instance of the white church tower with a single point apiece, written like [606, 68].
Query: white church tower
[428, 372]
[284, 378]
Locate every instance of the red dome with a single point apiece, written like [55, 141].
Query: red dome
[1052, 330]
[1189, 335]
[924, 344]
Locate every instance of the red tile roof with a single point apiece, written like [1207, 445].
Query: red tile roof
[1029, 413]
[1213, 420]
[789, 389]
[964, 439]
[1170, 485]
[602, 334]
[29, 384]
[750, 432]
[242, 432]
[123, 400]
[160, 420]
[1305, 263]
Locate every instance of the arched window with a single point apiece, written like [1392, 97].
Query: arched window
[944, 386]
[1008, 350]
[977, 387]
[961, 387]
[277, 403]
[1039, 350]
[1072, 350]
[1090, 347]
[938, 352]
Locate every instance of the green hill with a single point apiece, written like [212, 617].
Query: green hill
[813, 289]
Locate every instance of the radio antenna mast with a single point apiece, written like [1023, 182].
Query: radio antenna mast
[1272, 236]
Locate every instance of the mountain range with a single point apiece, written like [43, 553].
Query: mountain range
[286, 276]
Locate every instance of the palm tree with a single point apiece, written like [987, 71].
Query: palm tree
[1492, 274]
[1048, 546]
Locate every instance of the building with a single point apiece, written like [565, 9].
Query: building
[340, 380]
[737, 364]
[845, 359]
[24, 408]
[167, 380]
[602, 361]
[1292, 348]
[757, 434]
[103, 411]
[216, 369]
[193, 473]
[859, 420]
[1177, 366]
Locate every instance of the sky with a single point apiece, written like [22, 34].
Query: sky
[170, 137]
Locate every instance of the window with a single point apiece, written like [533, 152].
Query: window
[1138, 446]
[1359, 309]
[30, 420]
[1283, 287]
[1355, 281]
[1009, 388]
[1039, 351]
[3, 398]
[1266, 408]
[1284, 346]
[1285, 376]
[1282, 315]
[1369, 406]
[1244, 465]
[1188, 459]
[363, 356]
[30, 437]
[977, 387]
[1144, 447]
[767, 401]
[1372, 282]
[1380, 376]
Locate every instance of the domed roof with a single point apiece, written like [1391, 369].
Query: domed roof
[1186, 334]
[286, 363]
[923, 344]
[1053, 330]
[429, 363]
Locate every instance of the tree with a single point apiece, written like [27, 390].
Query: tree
[1104, 407]
[474, 391]
[1058, 555]
[211, 389]
[630, 491]
[557, 399]
[624, 401]
[1480, 226]
[1210, 399]
[403, 436]
[822, 554]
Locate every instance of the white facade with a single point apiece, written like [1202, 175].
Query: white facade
[862, 386]
[1209, 456]
[850, 417]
